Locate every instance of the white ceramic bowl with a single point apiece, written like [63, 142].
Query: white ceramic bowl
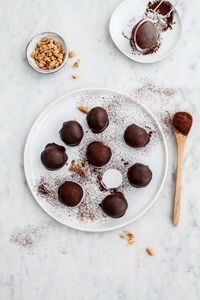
[31, 48]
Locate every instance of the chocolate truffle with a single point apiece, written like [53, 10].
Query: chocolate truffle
[98, 154]
[70, 193]
[71, 133]
[97, 119]
[139, 175]
[136, 136]
[145, 35]
[53, 157]
[114, 205]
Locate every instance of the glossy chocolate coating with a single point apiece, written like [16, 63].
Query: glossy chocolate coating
[114, 205]
[70, 193]
[136, 136]
[139, 175]
[146, 35]
[97, 119]
[54, 157]
[71, 133]
[98, 154]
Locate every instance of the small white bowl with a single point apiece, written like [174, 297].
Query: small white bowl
[31, 48]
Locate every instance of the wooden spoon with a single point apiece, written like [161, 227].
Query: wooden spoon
[182, 122]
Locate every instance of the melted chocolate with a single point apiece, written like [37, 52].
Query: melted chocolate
[146, 35]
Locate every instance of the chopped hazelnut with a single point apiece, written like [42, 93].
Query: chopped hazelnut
[150, 251]
[83, 109]
[72, 53]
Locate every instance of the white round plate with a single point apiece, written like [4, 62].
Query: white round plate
[122, 111]
[123, 19]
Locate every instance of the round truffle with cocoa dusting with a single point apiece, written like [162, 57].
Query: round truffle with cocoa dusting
[98, 154]
[97, 119]
[54, 156]
[139, 175]
[114, 205]
[182, 122]
[70, 193]
[71, 133]
[136, 136]
[146, 35]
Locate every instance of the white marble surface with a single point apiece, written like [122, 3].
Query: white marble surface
[64, 263]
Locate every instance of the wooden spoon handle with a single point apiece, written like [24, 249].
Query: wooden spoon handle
[177, 196]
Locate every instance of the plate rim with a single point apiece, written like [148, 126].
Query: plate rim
[78, 226]
[138, 60]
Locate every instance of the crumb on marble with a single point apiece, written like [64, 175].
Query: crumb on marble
[128, 236]
[138, 263]
[150, 251]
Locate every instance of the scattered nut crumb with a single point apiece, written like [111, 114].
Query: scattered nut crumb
[76, 64]
[76, 168]
[83, 109]
[72, 53]
[74, 76]
[138, 263]
[122, 236]
[150, 251]
[83, 163]
[48, 54]
[85, 212]
[130, 238]
[75, 119]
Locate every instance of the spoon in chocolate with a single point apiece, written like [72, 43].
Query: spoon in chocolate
[146, 33]
[182, 123]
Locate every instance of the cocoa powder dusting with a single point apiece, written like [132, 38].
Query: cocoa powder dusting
[163, 10]
[182, 122]
[43, 188]
[28, 237]
[161, 101]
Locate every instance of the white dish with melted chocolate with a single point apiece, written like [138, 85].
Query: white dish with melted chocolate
[128, 14]
[122, 111]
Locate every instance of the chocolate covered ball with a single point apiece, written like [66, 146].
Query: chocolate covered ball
[97, 119]
[139, 175]
[54, 157]
[114, 205]
[136, 136]
[70, 193]
[98, 154]
[71, 133]
[146, 35]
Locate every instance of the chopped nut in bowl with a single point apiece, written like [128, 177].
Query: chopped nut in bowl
[47, 52]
